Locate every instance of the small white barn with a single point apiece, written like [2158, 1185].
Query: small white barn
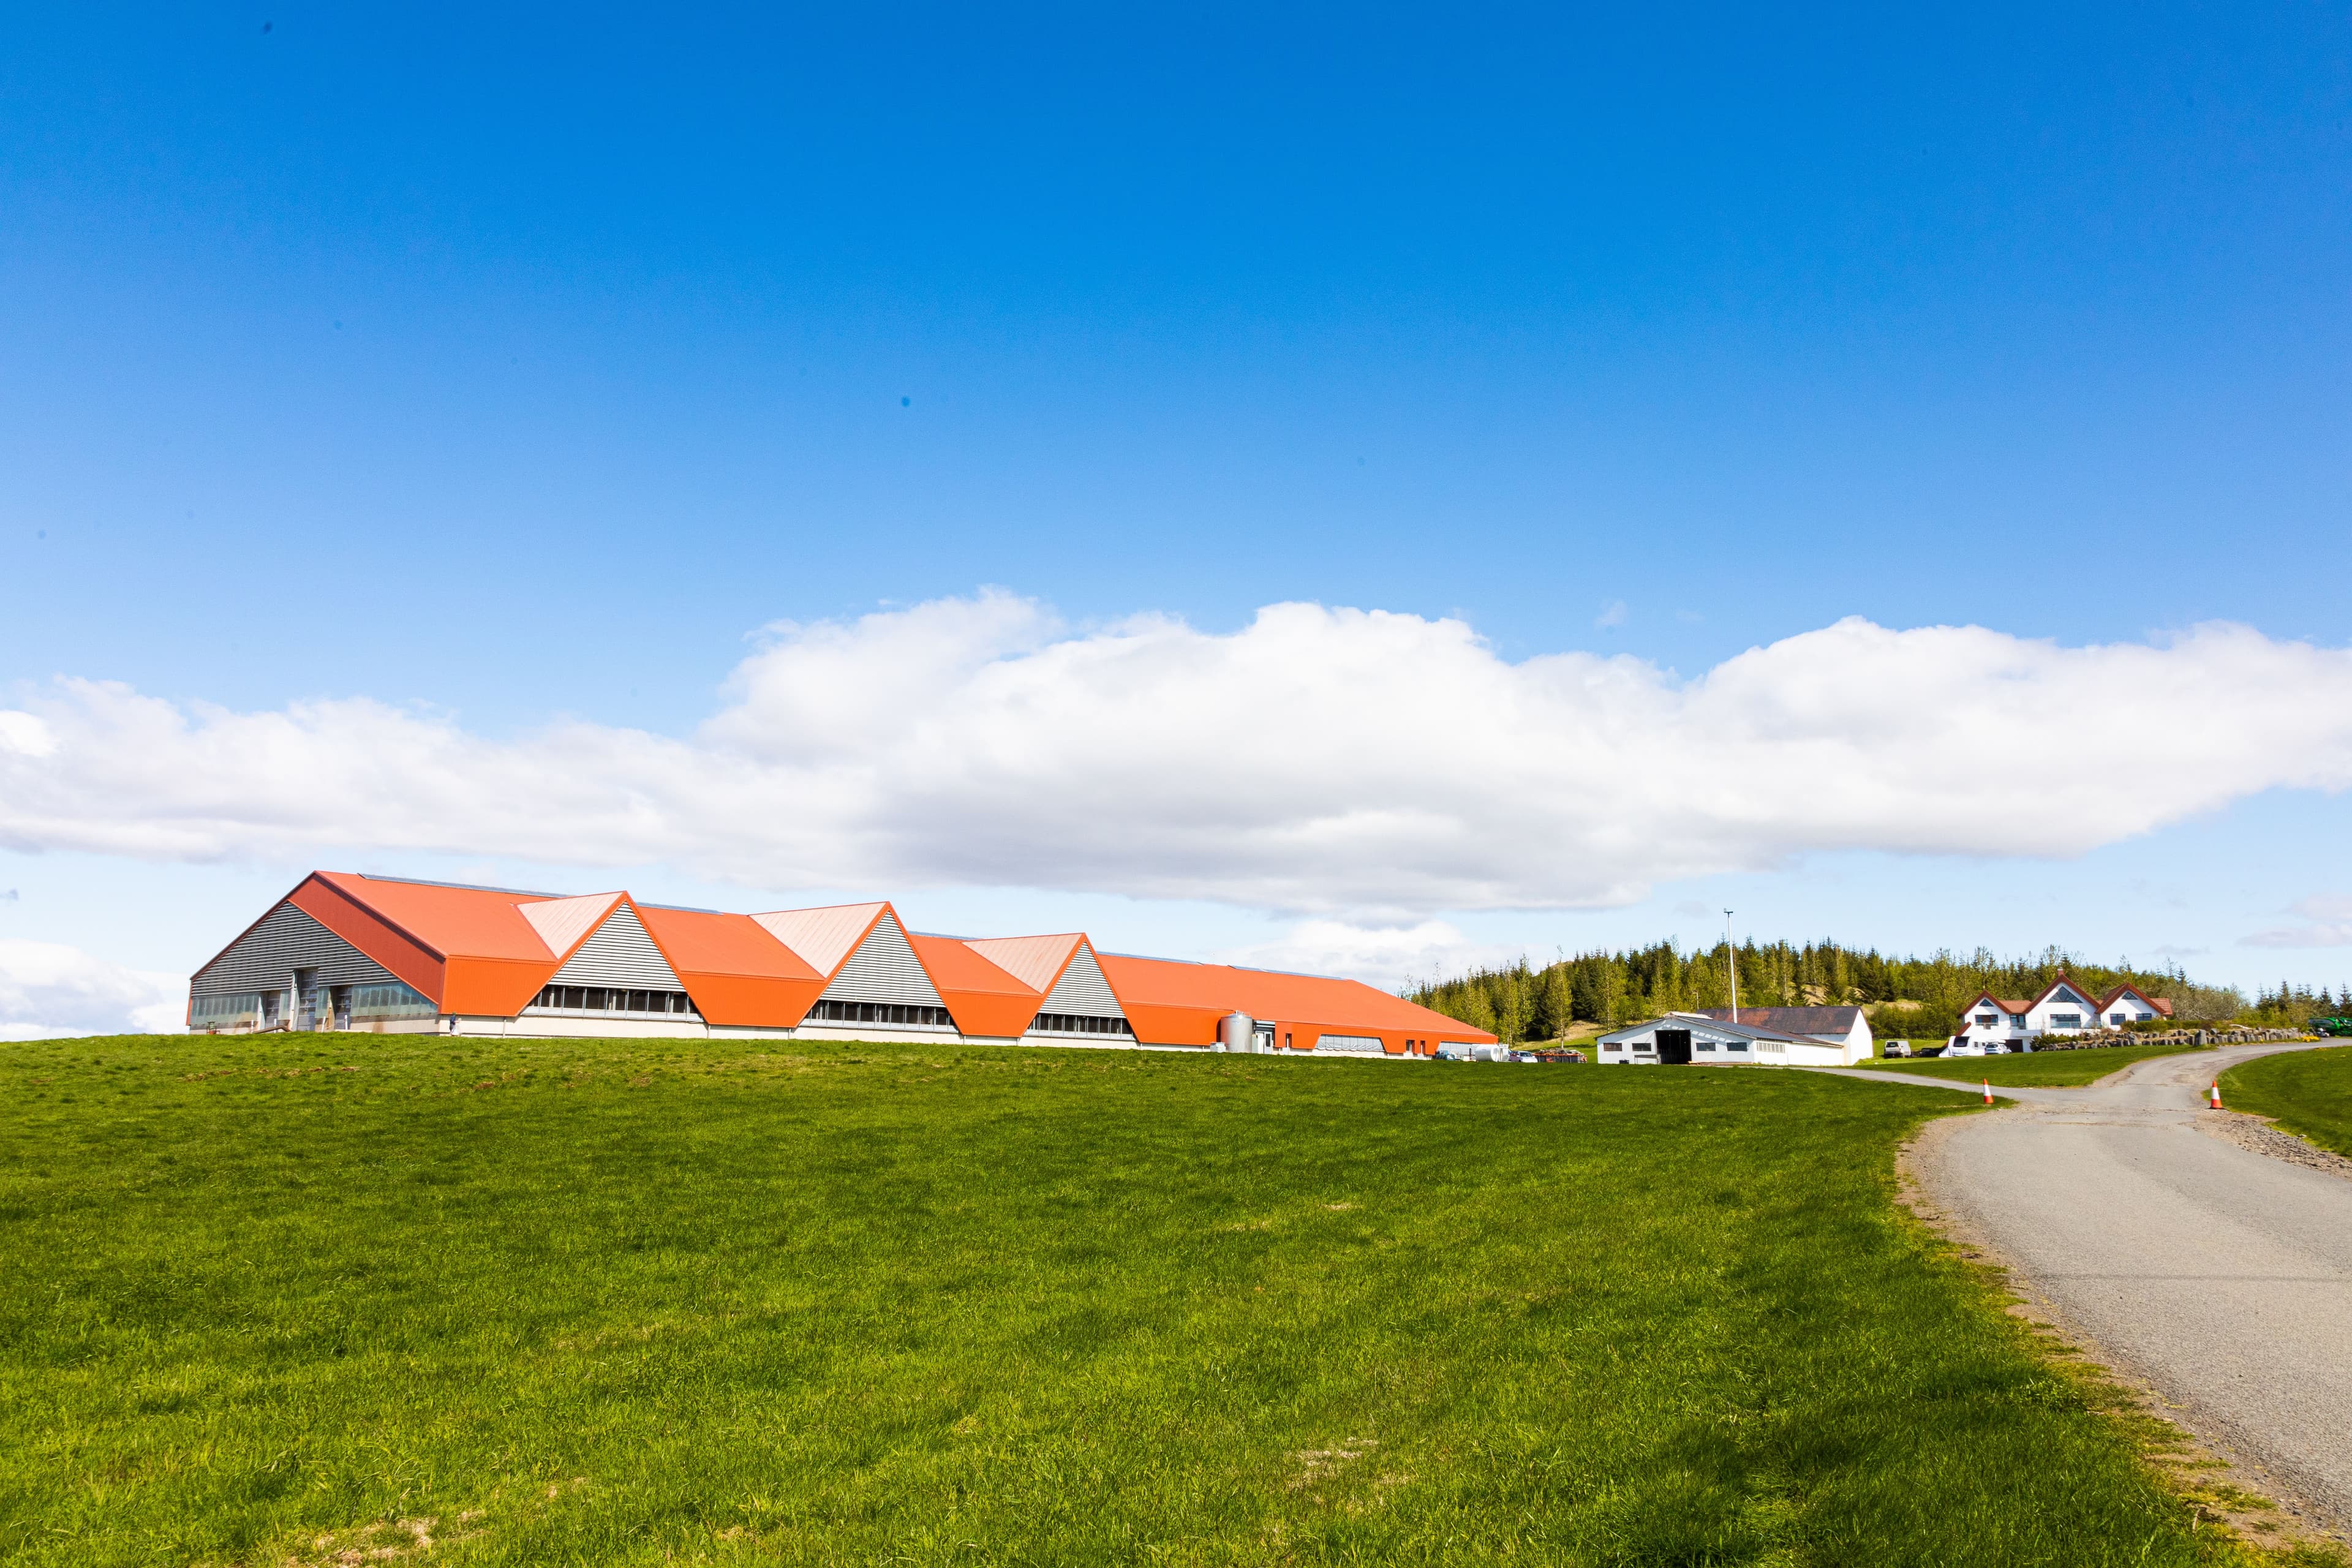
[1701, 1039]
[1848, 1029]
[1991, 1025]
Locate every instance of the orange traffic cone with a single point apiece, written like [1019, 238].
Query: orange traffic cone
[2216, 1094]
[1987, 1086]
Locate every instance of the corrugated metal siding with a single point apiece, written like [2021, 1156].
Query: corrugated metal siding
[1083, 990]
[884, 969]
[287, 940]
[619, 954]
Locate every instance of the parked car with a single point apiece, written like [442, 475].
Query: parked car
[1897, 1049]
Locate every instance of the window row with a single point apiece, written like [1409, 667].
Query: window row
[611, 999]
[393, 1001]
[878, 1013]
[369, 1002]
[1079, 1023]
[213, 1011]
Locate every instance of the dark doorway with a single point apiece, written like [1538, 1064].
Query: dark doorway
[1674, 1048]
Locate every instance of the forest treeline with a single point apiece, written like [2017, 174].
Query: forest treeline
[1915, 998]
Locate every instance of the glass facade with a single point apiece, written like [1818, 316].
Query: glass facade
[393, 1001]
[240, 1011]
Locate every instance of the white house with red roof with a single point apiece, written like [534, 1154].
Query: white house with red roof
[1994, 1024]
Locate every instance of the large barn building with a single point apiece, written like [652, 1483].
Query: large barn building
[386, 955]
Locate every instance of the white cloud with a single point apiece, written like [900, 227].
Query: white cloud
[25, 735]
[1375, 767]
[48, 990]
[2328, 924]
[1611, 615]
[2319, 935]
[1385, 956]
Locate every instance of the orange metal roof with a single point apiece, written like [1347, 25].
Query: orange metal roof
[473, 923]
[951, 963]
[825, 937]
[565, 924]
[736, 972]
[487, 951]
[1035, 960]
[982, 998]
[1336, 1005]
[721, 944]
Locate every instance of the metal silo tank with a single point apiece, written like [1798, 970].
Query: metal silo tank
[1237, 1032]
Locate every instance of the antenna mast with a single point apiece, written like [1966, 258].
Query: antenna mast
[1731, 959]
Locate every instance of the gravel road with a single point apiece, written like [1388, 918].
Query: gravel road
[2219, 1275]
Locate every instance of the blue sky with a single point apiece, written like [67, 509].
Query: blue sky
[521, 368]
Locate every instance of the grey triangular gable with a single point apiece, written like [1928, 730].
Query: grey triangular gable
[884, 969]
[619, 953]
[287, 939]
[1082, 992]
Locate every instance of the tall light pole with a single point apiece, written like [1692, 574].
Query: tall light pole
[1731, 960]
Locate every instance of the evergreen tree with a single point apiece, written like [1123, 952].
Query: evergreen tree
[1519, 1002]
[1555, 1005]
[1585, 995]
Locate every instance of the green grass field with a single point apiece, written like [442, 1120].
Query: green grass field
[2309, 1093]
[2034, 1070]
[297, 1299]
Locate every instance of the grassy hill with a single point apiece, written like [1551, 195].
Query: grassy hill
[2309, 1092]
[291, 1299]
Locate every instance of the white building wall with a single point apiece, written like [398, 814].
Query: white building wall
[2046, 1015]
[1710, 1047]
[2065, 1011]
[2000, 1032]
